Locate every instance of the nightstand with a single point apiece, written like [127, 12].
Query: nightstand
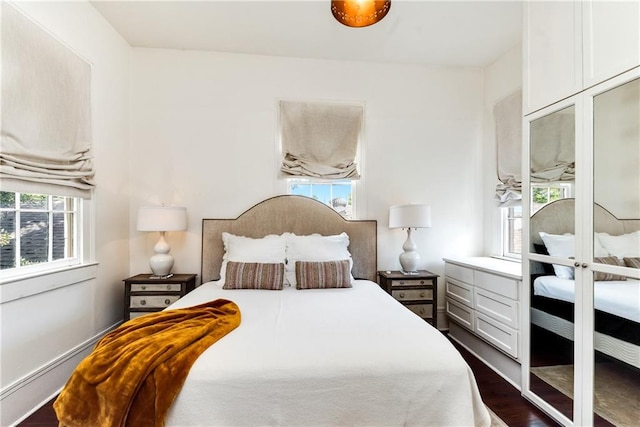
[144, 295]
[417, 292]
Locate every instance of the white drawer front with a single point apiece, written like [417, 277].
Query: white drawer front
[460, 313]
[502, 336]
[502, 309]
[497, 284]
[155, 287]
[153, 301]
[459, 291]
[457, 272]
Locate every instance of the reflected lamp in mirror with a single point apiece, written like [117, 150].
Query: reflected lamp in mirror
[410, 217]
[162, 219]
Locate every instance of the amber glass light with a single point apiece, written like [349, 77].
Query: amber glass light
[360, 13]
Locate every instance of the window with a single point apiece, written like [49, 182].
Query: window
[512, 221]
[338, 194]
[38, 231]
[541, 195]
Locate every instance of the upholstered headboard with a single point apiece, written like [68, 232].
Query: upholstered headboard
[295, 214]
[559, 217]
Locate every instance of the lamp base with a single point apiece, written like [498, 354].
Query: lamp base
[161, 264]
[410, 257]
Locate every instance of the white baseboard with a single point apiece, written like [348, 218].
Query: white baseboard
[26, 395]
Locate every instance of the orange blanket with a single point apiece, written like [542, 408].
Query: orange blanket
[135, 372]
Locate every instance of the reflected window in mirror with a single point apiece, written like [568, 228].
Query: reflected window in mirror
[543, 194]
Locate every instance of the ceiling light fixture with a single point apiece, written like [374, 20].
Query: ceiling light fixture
[360, 13]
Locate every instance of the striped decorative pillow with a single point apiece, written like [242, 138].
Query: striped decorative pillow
[254, 275]
[610, 260]
[632, 262]
[320, 275]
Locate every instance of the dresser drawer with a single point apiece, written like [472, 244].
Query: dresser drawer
[497, 284]
[459, 291]
[412, 294]
[156, 287]
[497, 307]
[423, 310]
[460, 313]
[458, 272]
[500, 335]
[153, 301]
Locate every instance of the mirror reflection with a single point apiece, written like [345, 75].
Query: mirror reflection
[616, 363]
[616, 170]
[552, 332]
[616, 213]
[552, 172]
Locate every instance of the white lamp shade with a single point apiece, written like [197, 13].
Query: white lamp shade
[410, 216]
[162, 218]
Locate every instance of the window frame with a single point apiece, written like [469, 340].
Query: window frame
[317, 181]
[508, 214]
[79, 229]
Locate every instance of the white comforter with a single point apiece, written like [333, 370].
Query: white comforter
[618, 297]
[326, 357]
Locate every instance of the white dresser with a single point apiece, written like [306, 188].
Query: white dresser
[482, 302]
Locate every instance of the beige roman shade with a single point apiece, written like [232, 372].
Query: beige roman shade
[45, 144]
[320, 140]
[508, 122]
[553, 156]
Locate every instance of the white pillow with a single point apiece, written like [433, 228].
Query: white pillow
[317, 248]
[268, 249]
[561, 246]
[625, 245]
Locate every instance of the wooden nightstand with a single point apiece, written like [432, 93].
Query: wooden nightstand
[418, 292]
[144, 295]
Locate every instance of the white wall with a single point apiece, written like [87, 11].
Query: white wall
[49, 321]
[502, 78]
[204, 127]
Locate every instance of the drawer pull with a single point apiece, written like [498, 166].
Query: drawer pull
[422, 294]
[167, 301]
[168, 287]
[144, 287]
[401, 294]
[422, 282]
[143, 302]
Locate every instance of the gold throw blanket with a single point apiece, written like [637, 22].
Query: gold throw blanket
[135, 372]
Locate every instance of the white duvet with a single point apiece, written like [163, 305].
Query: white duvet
[618, 297]
[326, 357]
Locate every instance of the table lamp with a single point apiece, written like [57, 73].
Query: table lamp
[411, 217]
[162, 219]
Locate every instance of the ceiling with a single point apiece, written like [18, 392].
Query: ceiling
[448, 32]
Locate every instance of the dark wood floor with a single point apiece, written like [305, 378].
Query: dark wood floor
[497, 394]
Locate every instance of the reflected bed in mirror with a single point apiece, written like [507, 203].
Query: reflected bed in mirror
[616, 297]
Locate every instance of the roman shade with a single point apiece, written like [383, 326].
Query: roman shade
[553, 156]
[508, 122]
[320, 140]
[45, 144]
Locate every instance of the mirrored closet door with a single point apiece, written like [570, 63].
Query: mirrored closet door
[582, 334]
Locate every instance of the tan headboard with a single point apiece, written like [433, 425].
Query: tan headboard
[295, 214]
[559, 217]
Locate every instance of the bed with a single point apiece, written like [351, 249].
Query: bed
[328, 356]
[616, 302]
